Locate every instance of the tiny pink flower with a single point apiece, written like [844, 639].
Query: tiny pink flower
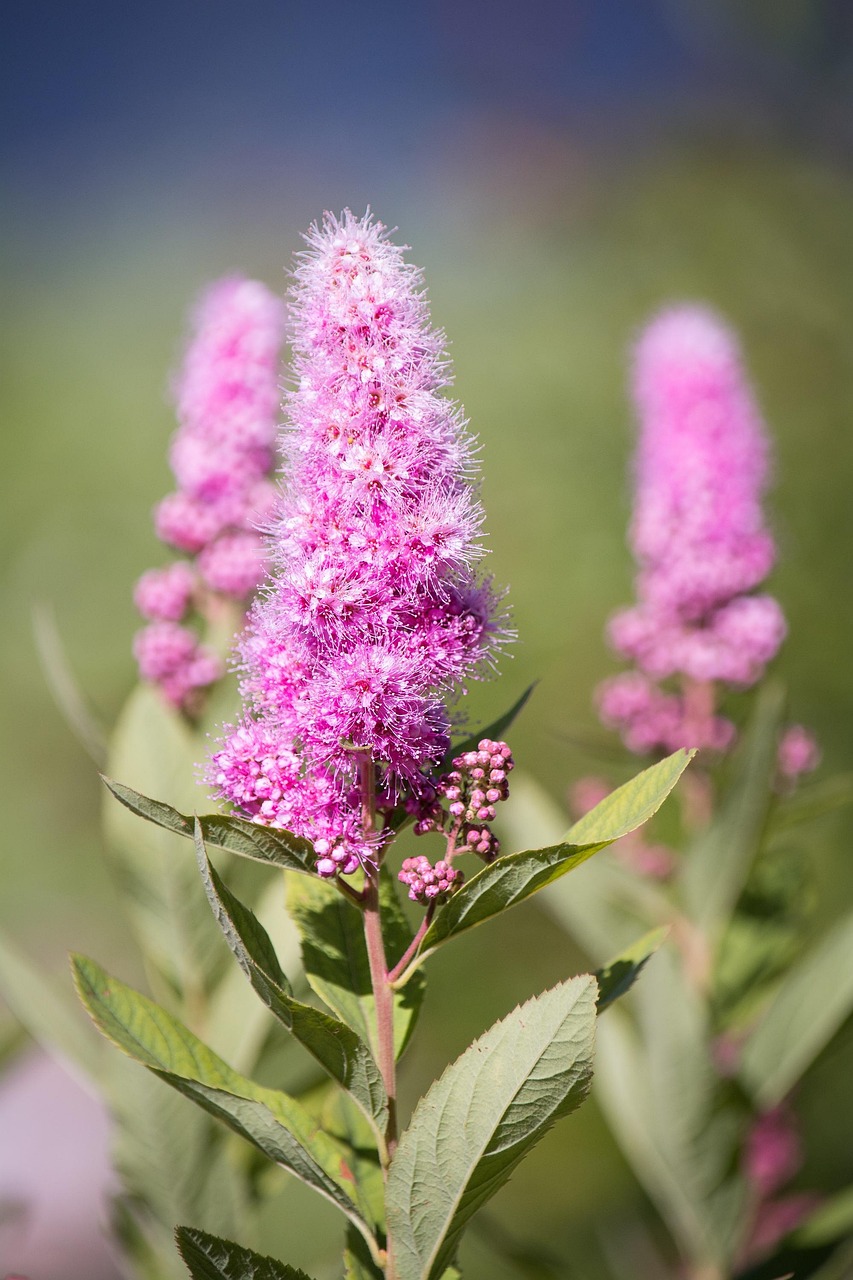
[799, 752]
[165, 594]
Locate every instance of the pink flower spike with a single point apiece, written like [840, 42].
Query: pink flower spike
[373, 613]
[698, 536]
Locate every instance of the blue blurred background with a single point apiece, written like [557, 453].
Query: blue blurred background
[560, 168]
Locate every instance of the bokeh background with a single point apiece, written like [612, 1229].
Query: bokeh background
[560, 168]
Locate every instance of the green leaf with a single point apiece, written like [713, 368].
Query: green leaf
[619, 976]
[339, 1117]
[334, 954]
[695, 1123]
[813, 801]
[623, 1089]
[335, 1046]
[273, 1122]
[590, 907]
[832, 1220]
[209, 1258]
[236, 1024]
[517, 876]
[153, 747]
[173, 1162]
[481, 1118]
[813, 1001]
[495, 730]
[246, 839]
[63, 684]
[49, 1014]
[358, 1264]
[715, 869]
[631, 805]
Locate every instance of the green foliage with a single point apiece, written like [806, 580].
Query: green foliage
[334, 955]
[482, 1117]
[716, 867]
[272, 1121]
[47, 1012]
[245, 839]
[618, 977]
[631, 805]
[209, 1258]
[335, 1046]
[811, 1003]
[153, 747]
[517, 876]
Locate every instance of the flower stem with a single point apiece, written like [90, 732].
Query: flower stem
[382, 994]
[410, 951]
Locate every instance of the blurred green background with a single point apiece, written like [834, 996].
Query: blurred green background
[559, 173]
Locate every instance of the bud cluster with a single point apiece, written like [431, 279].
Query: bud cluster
[430, 884]
[477, 782]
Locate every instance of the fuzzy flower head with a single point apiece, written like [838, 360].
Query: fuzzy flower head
[701, 467]
[374, 614]
[697, 533]
[222, 455]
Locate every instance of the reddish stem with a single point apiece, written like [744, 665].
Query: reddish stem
[410, 951]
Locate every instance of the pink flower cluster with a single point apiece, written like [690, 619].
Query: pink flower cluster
[222, 455]
[374, 614]
[698, 536]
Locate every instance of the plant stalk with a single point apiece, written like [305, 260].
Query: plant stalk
[383, 995]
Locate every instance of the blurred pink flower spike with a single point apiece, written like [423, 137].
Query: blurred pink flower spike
[698, 536]
[222, 456]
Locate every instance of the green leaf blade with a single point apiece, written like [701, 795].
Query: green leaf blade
[517, 876]
[813, 1001]
[211, 1258]
[482, 1117]
[716, 867]
[617, 977]
[334, 955]
[631, 805]
[337, 1048]
[272, 1121]
[245, 839]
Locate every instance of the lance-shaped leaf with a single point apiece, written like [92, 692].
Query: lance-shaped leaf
[246, 839]
[812, 801]
[481, 1118]
[334, 954]
[716, 867]
[51, 1016]
[517, 876]
[814, 999]
[335, 1045]
[624, 1091]
[273, 1122]
[632, 804]
[209, 1258]
[619, 976]
[495, 730]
